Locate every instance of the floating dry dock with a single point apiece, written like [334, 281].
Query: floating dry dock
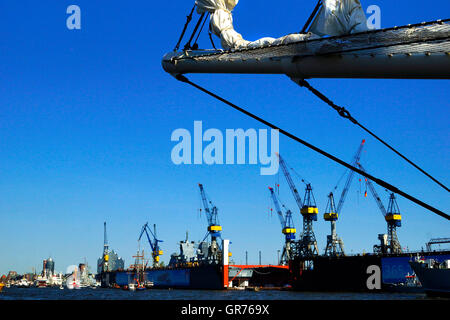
[420, 51]
[203, 275]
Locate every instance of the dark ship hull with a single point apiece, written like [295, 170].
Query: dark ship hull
[369, 272]
[198, 277]
[435, 281]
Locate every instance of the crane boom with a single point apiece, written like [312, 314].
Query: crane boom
[374, 193]
[277, 208]
[156, 252]
[144, 229]
[349, 178]
[211, 214]
[287, 226]
[291, 184]
[205, 203]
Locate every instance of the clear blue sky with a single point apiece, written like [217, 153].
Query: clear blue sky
[86, 117]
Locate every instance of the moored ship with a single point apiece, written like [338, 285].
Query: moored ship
[368, 272]
[434, 275]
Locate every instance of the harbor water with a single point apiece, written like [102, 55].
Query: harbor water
[14, 293]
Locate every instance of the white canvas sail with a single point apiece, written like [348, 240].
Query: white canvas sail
[339, 17]
[336, 17]
[222, 26]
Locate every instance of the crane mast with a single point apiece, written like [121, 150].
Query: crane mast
[105, 256]
[335, 245]
[309, 211]
[393, 219]
[288, 229]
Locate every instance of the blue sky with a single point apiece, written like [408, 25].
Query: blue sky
[86, 118]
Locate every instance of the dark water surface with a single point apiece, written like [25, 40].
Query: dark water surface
[157, 294]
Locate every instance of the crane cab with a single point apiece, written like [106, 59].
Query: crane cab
[289, 233]
[310, 212]
[330, 216]
[215, 230]
[394, 219]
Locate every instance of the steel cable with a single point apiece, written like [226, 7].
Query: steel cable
[380, 182]
[346, 114]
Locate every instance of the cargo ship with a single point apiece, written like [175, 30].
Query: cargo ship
[433, 274]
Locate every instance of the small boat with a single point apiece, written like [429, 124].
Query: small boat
[23, 283]
[132, 287]
[434, 276]
[73, 283]
[141, 287]
[1, 286]
[252, 289]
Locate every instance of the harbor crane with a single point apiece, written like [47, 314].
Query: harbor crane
[437, 241]
[335, 245]
[307, 245]
[288, 228]
[154, 243]
[214, 228]
[393, 219]
[105, 256]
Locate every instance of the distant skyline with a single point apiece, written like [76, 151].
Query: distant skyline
[86, 118]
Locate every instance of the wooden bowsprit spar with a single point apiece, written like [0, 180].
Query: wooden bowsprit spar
[420, 51]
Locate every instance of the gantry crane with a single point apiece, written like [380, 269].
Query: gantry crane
[288, 228]
[335, 245]
[307, 245]
[154, 243]
[393, 219]
[214, 228]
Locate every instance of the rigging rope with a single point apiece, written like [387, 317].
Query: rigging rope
[311, 17]
[188, 20]
[344, 113]
[380, 182]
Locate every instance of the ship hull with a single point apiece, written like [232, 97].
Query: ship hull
[355, 273]
[201, 277]
[434, 281]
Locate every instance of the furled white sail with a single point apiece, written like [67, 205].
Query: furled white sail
[222, 26]
[336, 17]
[339, 17]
